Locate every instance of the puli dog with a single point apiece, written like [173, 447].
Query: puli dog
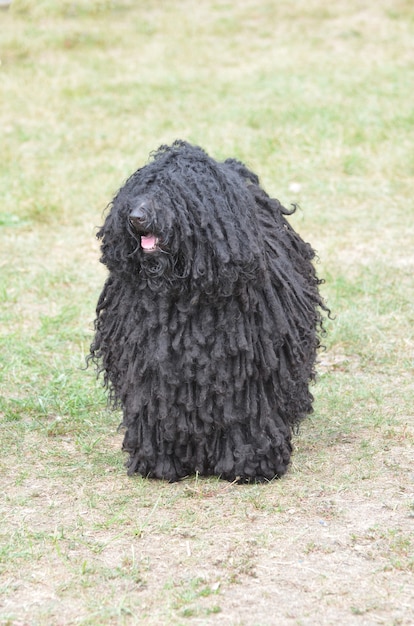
[208, 324]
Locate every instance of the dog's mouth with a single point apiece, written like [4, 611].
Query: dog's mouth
[149, 242]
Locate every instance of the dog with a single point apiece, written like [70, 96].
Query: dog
[209, 322]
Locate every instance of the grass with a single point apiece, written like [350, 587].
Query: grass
[316, 99]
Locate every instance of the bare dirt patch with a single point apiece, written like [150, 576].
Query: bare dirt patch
[297, 551]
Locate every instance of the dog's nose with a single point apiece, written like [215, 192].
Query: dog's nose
[136, 222]
[137, 217]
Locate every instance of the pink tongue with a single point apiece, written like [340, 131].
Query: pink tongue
[148, 242]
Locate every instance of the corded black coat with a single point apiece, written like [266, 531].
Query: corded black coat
[208, 341]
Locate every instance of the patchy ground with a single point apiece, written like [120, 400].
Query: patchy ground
[302, 550]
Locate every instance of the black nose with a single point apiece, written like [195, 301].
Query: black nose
[136, 223]
[137, 217]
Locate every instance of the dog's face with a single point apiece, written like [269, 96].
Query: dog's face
[185, 218]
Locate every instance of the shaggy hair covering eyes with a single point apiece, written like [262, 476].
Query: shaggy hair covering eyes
[208, 324]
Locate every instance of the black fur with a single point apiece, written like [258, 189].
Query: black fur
[207, 340]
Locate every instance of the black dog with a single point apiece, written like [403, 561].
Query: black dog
[208, 324]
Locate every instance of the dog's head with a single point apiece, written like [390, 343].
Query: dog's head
[187, 220]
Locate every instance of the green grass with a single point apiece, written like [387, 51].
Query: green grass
[317, 99]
